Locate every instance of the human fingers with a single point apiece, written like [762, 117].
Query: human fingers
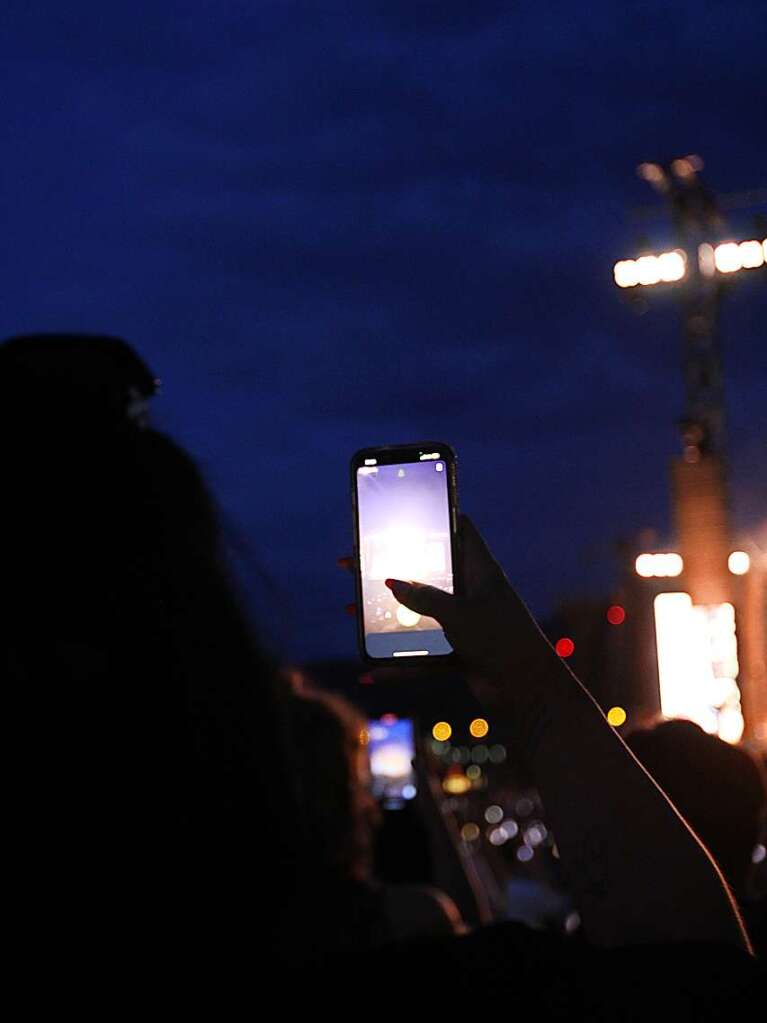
[425, 600]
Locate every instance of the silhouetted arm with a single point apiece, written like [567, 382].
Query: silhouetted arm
[636, 870]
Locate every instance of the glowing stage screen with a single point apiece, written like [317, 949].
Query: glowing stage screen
[698, 664]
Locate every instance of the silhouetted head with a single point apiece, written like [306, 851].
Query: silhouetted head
[60, 379]
[329, 743]
[145, 716]
[718, 788]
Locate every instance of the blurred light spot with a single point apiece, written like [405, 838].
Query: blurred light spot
[497, 754]
[408, 791]
[470, 832]
[479, 728]
[525, 854]
[727, 257]
[479, 754]
[498, 836]
[535, 835]
[759, 853]
[659, 565]
[389, 720]
[511, 827]
[564, 646]
[751, 255]
[494, 814]
[524, 807]
[456, 784]
[442, 731]
[364, 737]
[739, 562]
[407, 617]
[572, 922]
[616, 615]
[464, 754]
[616, 716]
[473, 772]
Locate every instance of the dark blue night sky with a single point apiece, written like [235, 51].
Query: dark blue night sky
[331, 225]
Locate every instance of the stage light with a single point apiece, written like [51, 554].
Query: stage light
[739, 562]
[661, 566]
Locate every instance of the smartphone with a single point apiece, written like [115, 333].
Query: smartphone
[405, 521]
[391, 746]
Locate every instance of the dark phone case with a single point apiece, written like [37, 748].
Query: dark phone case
[389, 453]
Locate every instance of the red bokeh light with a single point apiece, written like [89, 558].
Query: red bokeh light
[564, 646]
[389, 719]
[616, 615]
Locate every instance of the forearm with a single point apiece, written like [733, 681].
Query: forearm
[637, 872]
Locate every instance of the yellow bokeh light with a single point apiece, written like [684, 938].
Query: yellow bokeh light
[470, 832]
[442, 731]
[474, 771]
[479, 728]
[616, 716]
[456, 784]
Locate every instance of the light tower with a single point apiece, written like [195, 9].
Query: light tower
[697, 650]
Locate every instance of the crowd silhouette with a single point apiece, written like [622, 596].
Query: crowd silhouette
[184, 815]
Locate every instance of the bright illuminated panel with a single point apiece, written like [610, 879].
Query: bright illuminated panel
[698, 664]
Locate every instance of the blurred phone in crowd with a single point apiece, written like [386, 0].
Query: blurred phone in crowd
[391, 746]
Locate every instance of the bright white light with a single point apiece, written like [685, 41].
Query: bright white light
[739, 562]
[668, 266]
[625, 273]
[403, 552]
[727, 257]
[673, 563]
[408, 792]
[671, 265]
[407, 617]
[751, 255]
[698, 664]
[648, 271]
[390, 761]
[663, 566]
[644, 566]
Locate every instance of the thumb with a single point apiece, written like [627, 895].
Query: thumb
[425, 600]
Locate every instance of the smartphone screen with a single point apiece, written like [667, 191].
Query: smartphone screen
[392, 748]
[404, 504]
